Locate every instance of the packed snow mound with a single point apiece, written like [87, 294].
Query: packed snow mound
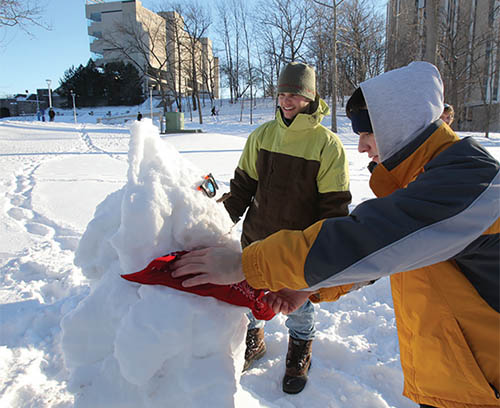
[158, 211]
[131, 345]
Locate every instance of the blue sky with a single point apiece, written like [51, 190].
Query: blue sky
[27, 61]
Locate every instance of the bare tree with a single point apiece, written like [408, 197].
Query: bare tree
[320, 46]
[461, 38]
[196, 24]
[361, 42]
[486, 68]
[465, 58]
[262, 72]
[272, 44]
[21, 13]
[175, 37]
[351, 35]
[226, 34]
[333, 6]
[403, 35]
[237, 59]
[229, 23]
[285, 26]
[209, 74]
[244, 17]
[455, 58]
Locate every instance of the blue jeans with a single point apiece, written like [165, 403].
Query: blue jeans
[300, 323]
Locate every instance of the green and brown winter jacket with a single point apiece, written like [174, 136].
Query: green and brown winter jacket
[289, 176]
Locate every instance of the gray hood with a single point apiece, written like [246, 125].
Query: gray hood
[402, 103]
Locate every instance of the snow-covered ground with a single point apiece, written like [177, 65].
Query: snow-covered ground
[82, 336]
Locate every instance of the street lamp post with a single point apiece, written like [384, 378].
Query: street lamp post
[50, 95]
[74, 105]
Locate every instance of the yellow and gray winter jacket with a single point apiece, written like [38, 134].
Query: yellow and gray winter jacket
[289, 177]
[434, 228]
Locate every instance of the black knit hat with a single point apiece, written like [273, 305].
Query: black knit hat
[298, 78]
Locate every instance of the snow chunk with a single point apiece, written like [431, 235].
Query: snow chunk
[130, 345]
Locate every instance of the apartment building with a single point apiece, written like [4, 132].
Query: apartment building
[462, 38]
[157, 44]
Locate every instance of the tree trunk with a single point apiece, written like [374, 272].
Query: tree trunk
[200, 114]
[334, 70]
[488, 117]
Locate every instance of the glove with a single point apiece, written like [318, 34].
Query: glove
[240, 294]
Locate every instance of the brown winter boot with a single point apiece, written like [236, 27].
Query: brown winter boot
[298, 362]
[256, 347]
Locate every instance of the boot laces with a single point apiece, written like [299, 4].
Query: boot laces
[299, 354]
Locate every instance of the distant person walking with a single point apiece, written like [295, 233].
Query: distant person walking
[214, 111]
[52, 115]
[43, 115]
[139, 116]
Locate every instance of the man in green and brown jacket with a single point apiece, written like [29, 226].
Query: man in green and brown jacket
[292, 173]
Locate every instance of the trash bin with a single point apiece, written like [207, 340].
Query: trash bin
[174, 121]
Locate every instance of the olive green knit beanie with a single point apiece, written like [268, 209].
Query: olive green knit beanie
[298, 78]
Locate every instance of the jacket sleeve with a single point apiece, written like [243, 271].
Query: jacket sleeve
[333, 181]
[244, 184]
[330, 294]
[242, 191]
[334, 204]
[333, 293]
[430, 221]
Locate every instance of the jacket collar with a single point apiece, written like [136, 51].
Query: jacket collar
[404, 166]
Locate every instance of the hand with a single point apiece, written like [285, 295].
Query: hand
[218, 265]
[286, 301]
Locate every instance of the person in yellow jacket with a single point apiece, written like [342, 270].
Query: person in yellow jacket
[434, 228]
[292, 173]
